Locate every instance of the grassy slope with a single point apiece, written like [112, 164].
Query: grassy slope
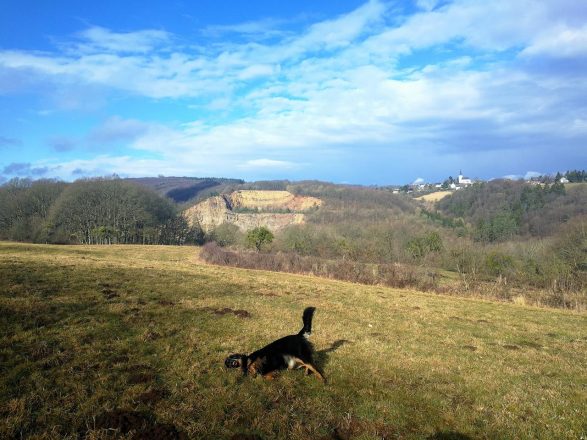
[85, 330]
[435, 196]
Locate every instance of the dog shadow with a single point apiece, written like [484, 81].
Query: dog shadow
[322, 357]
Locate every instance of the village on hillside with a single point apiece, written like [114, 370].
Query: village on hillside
[451, 184]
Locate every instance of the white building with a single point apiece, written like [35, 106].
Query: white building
[464, 180]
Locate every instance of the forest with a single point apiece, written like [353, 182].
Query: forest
[505, 239]
[90, 211]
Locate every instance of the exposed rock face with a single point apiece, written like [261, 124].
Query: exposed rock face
[225, 209]
[272, 200]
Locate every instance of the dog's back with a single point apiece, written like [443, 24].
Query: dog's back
[288, 352]
[293, 345]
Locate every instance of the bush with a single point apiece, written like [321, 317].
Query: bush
[393, 275]
[259, 237]
[499, 264]
[226, 234]
[419, 247]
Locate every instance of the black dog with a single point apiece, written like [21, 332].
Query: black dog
[294, 351]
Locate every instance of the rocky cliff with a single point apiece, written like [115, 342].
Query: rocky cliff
[268, 207]
[272, 200]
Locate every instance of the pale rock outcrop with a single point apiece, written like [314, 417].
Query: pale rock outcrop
[221, 209]
[272, 200]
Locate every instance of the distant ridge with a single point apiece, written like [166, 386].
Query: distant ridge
[186, 189]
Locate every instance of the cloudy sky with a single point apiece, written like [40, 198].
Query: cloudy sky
[372, 92]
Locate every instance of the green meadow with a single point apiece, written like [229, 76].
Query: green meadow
[120, 341]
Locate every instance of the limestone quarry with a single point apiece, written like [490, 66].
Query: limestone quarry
[248, 209]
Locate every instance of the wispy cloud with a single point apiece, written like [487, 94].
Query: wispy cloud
[24, 169]
[267, 163]
[97, 39]
[6, 142]
[258, 29]
[61, 144]
[116, 129]
[560, 42]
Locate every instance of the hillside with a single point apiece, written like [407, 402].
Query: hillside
[500, 239]
[502, 209]
[97, 341]
[435, 196]
[185, 189]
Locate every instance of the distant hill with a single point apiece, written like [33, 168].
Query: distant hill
[186, 189]
[501, 209]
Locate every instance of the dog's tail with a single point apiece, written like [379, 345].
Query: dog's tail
[306, 330]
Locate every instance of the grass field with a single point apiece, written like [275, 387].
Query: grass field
[435, 196]
[104, 342]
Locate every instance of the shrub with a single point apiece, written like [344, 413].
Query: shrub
[226, 234]
[499, 264]
[419, 247]
[393, 275]
[259, 237]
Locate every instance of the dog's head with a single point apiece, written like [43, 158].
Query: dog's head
[236, 360]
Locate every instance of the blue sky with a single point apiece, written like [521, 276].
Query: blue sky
[370, 92]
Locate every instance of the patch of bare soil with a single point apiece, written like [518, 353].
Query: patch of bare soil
[120, 359]
[531, 344]
[142, 425]
[153, 396]
[109, 293]
[150, 335]
[225, 311]
[140, 374]
[143, 377]
[353, 428]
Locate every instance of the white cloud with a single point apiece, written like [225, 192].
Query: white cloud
[99, 39]
[512, 177]
[258, 70]
[531, 174]
[560, 42]
[267, 163]
[427, 5]
[265, 28]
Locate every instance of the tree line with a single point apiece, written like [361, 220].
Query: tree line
[501, 210]
[90, 211]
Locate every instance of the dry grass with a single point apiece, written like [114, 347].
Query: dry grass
[103, 341]
[435, 196]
